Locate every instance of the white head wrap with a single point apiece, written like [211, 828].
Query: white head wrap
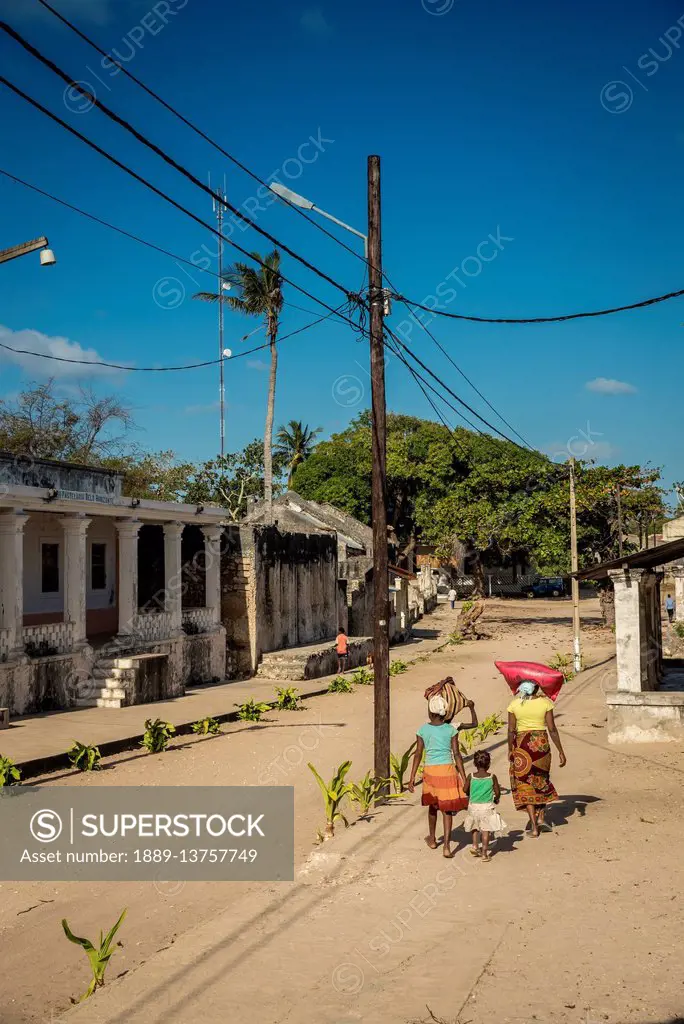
[437, 706]
[527, 689]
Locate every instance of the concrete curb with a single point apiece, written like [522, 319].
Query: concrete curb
[56, 762]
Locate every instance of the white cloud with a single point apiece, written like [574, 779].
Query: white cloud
[34, 341]
[313, 20]
[608, 386]
[257, 364]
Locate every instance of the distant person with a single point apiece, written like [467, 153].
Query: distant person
[530, 723]
[452, 597]
[443, 775]
[342, 642]
[669, 607]
[482, 818]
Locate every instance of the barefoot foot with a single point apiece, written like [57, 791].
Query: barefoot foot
[432, 843]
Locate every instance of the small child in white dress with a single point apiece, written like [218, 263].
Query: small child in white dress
[482, 817]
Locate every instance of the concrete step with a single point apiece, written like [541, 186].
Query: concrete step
[106, 702]
[112, 672]
[113, 691]
[85, 702]
[115, 663]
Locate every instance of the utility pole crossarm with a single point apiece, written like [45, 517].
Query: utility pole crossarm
[21, 250]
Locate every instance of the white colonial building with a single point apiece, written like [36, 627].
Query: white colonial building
[104, 599]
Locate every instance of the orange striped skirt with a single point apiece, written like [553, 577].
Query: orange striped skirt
[443, 788]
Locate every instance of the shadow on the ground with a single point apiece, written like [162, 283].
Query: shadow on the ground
[557, 814]
[417, 635]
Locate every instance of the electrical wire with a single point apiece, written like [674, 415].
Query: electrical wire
[198, 131]
[541, 319]
[159, 369]
[129, 234]
[127, 126]
[143, 181]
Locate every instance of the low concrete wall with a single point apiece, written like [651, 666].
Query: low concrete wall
[650, 717]
[31, 685]
[204, 658]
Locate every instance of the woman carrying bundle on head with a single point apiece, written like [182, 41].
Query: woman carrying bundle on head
[443, 775]
[530, 723]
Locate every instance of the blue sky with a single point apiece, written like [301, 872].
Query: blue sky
[556, 131]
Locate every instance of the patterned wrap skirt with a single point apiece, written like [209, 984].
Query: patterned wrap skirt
[443, 788]
[530, 767]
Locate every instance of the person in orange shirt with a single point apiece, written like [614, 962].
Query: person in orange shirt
[342, 650]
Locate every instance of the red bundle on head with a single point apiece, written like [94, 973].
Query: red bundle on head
[549, 679]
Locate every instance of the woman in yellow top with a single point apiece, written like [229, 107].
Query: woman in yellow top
[530, 723]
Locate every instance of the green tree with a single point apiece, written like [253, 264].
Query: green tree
[294, 444]
[229, 481]
[155, 476]
[261, 294]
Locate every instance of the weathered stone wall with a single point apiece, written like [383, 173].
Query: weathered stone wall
[31, 685]
[278, 590]
[28, 472]
[204, 658]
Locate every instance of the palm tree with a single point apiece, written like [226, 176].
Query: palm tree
[295, 442]
[260, 294]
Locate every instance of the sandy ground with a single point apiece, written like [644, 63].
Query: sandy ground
[583, 924]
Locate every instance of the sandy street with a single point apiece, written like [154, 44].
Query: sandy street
[582, 925]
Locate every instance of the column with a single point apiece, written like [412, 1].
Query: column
[75, 575]
[12, 526]
[212, 570]
[678, 573]
[631, 641]
[127, 589]
[173, 576]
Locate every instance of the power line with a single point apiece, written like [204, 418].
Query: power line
[129, 234]
[198, 131]
[158, 369]
[541, 319]
[163, 195]
[453, 362]
[166, 158]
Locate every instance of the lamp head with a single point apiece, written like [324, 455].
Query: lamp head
[47, 258]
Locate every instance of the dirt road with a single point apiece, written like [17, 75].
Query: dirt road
[583, 924]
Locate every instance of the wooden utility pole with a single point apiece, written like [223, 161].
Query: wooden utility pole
[577, 650]
[381, 613]
[619, 517]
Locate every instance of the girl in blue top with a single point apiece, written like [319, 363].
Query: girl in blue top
[443, 775]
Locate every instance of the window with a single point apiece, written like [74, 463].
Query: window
[49, 554]
[98, 567]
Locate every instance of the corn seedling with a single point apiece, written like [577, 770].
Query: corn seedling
[341, 684]
[9, 773]
[455, 638]
[334, 793]
[206, 727]
[367, 791]
[469, 738]
[288, 699]
[99, 958]
[563, 663]
[397, 667]
[157, 735]
[83, 757]
[252, 710]
[362, 676]
[399, 767]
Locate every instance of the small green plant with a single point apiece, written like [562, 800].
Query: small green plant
[334, 793]
[362, 676]
[563, 663]
[252, 710]
[455, 638]
[9, 773]
[399, 767]
[99, 958]
[367, 791]
[397, 667]
[84, 757]
[157, 735]
[678, 628]
[206, 727]
[469, 738]
[467, 605]
[341, 684]
[288, 699]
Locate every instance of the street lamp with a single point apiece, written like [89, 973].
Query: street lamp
[293, 197]
[47, 256]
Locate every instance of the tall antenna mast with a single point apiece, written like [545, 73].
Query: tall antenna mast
[218, 210]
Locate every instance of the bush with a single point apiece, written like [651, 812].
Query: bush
[252, 710]
[341, 684]
[9, 773]
[288, 699]
[455, 638]
[397, 667]
[157, 735]
[206, 727]
[362, 676]
[83, 757]
[563, 663]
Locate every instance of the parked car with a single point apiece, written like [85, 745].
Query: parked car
[547, 586]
